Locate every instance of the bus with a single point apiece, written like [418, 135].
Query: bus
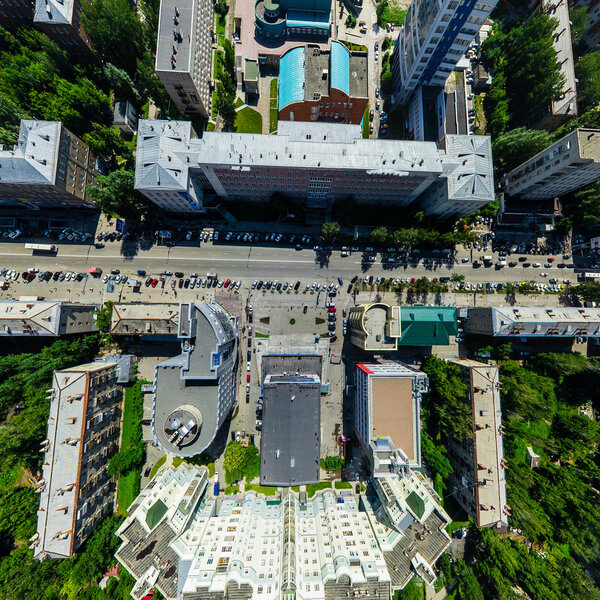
[589, 276]
[41, 247]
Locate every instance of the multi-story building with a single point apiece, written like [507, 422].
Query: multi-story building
[148, 320]
[567, 165]
[45, 318]
[194, 392]
[61, 21]
[291, 429]
[323, 85]
[315, 162]
[187, 544]
[76, 492]
[387, 413]
[432, 39]
[16, 13]
[184, 53]
[478, 481]
[49, 166]
[125, 117]
[534, 322]
[379, 327]
[591, 34]
[276, 20]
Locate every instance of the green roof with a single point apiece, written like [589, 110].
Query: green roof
[155, 513]
[416, 504]
[427, 325]
[251, 70]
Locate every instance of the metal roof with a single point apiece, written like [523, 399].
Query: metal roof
[308, 19]
[340, 67]
[291, 76]
[427, 325]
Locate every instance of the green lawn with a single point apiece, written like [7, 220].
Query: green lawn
[220, 25]
[296, 488]
[313, 488]
[273, 116]
[213, 112]
[248, 120]
[261, 335]
[365, 124]
[232, 489]
[218, 66]
[129, 488]
[343, 485]
[274, 88]
[239, 102]
[159, 463]
[262, 489]
[210, 127]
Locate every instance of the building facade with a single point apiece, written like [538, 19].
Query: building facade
[591, 34]
[194, 392]
[16, 13]
[314, 162]
[431, 41]
[276, 20]
[46, 318]
[387, 413]
[323, 85]
[76, 492]
[48, 167]
[184, 53]
[565, 166]
[61, 21]
[535, 322]
[251, 546]
[479, 480]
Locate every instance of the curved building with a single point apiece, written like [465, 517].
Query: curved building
[278, 19]
[195, 391]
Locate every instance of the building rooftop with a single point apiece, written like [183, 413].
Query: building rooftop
[427, 325]
[29, 318]
[539, 320]
[55, 12]
[291, 429]
[175, 31]
[145, 319]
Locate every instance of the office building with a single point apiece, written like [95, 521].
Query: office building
[182, 541]
[60, 20]
[323, 85]
[432, 40]
[314, 162]
[48, 167]
[45, 318]
[478, 481]
[276, 20]
[387, 413]
[567, 165]
[291, 429]
[16, 13]
[184, 53]
[380, 327]
[194, 392]
[76, 492]
[148, 320]
[535, 322]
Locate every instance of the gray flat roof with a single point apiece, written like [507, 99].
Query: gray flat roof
[291, 430]
[166, 38]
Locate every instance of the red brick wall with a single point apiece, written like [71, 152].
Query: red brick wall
[328, 107]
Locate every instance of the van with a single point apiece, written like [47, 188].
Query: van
[211, 276]
[486, 258]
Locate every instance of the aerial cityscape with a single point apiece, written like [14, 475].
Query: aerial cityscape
[300, 299]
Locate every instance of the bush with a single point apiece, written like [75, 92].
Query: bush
[331, 463]
[351, 21]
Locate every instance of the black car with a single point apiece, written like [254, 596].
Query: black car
[79, 276]
[249, 354]
[354, 279]
[269, 284]
[186, 284]
[99, 245]
[148, 281]
[147, 471]
[340, 281]
[297, 285]
[247, 398]
[178, 274]
[56, 276]
[279, 285]
[259, 285]
[215, 282]
[349, 288]
[180, 283]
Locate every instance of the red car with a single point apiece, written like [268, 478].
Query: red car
[154, 282]
[550, 259]
[227, 282]
[331, 309]
[248, 378]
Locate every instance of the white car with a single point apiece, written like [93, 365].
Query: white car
[254, 284]
[248, 366]
[466, 259]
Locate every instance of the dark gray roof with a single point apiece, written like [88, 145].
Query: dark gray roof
[291, 436]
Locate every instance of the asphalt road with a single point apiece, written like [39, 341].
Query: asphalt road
[265, 262]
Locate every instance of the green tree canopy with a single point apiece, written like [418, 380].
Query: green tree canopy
[330, 230]
[379, 235]
[518, 145]
[114, 193]
[587, 71]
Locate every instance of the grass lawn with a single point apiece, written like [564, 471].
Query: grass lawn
[273, 116]
[239, 102]
[313, 488]
[274, 88]
[210, 127]
[392, 14]
[296, 488]
[213, 112]
[129, 488]
[343, 485]
[232, 489]
[262, 489]
[261, 335]
[220, 25]
[248, 120]
[365, 123]
[218, 67]
[159, 463]
[480, 114]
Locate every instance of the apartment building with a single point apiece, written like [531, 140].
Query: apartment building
[387, 413]
[187, 544]
[184, 53]
[315, 162]
[144, 319]
[565, 166]
[48, 167]
[16, 13]
[194, 392]
[432, 40]
[323, 85]
[591, 35]
[535, 322]
[61, 21]
[45, 318]
[76, 492]
[479, 481]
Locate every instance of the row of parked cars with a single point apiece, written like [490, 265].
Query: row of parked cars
[33, 272]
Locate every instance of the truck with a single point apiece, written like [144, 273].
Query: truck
[95, 271]
[216, 489]
[486, 258]
[41, 247]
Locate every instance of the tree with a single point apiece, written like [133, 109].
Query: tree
[496, 106]
[387, 43]
[126, 460]
[103, 317]
[221, 7]
[379, 235]
[518, 145]
[330, 230]
[226, 106]
[351, 21]
[456, 277]
[106, 142]
[588, 291]
[587, 71]
[114, 193]
[120, 82]
[380, 9]
[579, 18]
